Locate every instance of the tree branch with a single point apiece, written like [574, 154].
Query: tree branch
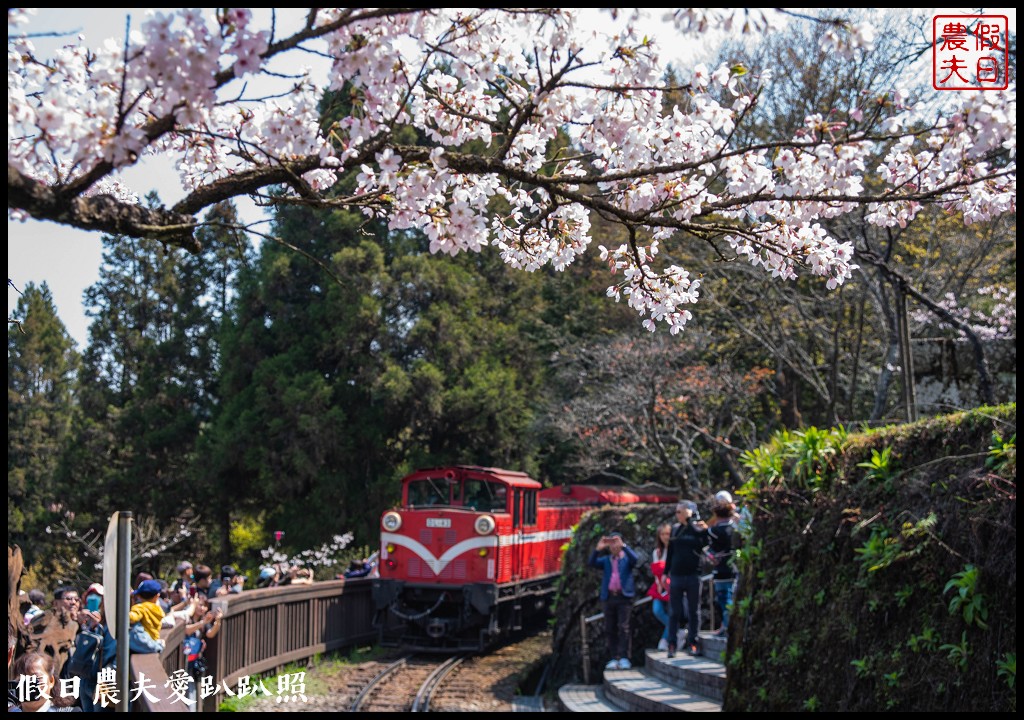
[100, 212]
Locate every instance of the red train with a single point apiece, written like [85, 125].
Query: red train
[472, 552]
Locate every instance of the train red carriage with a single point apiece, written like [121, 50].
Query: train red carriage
[472, 552]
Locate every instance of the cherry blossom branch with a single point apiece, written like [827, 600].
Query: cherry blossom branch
[101, 213]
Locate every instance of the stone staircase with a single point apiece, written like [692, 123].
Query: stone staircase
[684, 683]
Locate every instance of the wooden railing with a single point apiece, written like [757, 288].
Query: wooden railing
[264, 630]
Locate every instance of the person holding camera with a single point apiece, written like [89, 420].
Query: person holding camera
[682, 560]
[723, 544]
[231, 581]
[616, 560]
[206, 627]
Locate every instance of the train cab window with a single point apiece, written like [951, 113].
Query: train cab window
[484, 496]
[432, 491]
[529, 507]
[516, 515]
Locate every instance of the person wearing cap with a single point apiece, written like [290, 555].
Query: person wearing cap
[184, 581]
[682, 560]
[267, 578]
[228, 582]
[722, 533]
[93, 630]
[146, 612]
[92, 598]
[616, 560]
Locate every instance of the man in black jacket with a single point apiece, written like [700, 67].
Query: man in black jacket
[682, 563]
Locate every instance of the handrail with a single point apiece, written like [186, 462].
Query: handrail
[163, 700]
[264, 630]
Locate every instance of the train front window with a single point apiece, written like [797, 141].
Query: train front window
[484, 496]
[432, 491]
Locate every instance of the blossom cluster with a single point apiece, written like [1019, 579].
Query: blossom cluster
[991, 315]
[324, 556]
[526, 123]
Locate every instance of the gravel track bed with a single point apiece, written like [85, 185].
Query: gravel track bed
[485, 683]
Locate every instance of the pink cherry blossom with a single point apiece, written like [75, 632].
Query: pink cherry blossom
[503, 128]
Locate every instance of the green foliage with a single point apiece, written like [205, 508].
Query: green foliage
[925, 642]
[147, 385]
[861, 667]
[892, 679]
[1002, 455]
[813, 449]
[966, 598]
[41, 366]
[746, 556]
[800, 459]
[812, 704]
[736, 658]
[248, 535]
[335, 388]
[876, 557]
[1007, 669]
[959, 653]
[764, 465]
[881, 549]
[880, 467]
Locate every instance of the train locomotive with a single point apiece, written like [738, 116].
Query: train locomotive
[472, 553]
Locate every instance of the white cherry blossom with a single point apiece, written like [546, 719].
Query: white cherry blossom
[486, 127]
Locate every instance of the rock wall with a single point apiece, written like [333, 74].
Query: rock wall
[893, 588]
[946, 377]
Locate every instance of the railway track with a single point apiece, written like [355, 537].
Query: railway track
[481, 683]
[408, 684]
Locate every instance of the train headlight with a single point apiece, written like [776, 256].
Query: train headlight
[391, 521]
[484, 525]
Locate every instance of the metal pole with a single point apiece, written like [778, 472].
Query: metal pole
[711, 604]
[906, 355]
[124, 566]
[584, 650]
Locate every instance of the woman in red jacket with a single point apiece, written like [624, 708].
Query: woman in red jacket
[659, 588]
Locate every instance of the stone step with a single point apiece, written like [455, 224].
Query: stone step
[637, 691]
[694, 673]
[528, 703]
[585, 698]
[713, 648]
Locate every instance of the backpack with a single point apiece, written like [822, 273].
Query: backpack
[85, 659]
